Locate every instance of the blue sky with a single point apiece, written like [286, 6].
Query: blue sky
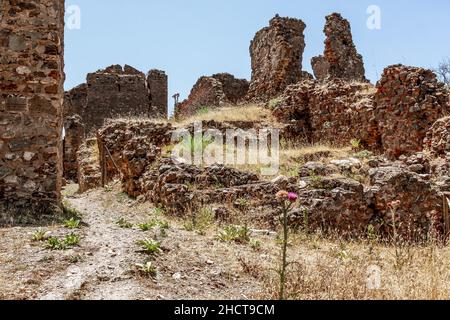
[191, 38]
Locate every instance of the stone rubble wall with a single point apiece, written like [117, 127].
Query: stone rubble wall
[337, 111]
[212, 92]
[392, 118]
[408, 102]
[437, 141]
[114, 143]
[31, 95]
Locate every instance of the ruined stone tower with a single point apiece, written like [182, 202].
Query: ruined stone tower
[116, 92]
[31, 95]
[276, 53]
[340, 59]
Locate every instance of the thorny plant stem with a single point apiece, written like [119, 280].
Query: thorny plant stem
[286, 209]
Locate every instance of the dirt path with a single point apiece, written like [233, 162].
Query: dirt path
[105, 274]
[192, 266]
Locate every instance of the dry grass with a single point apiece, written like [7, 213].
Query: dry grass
[336, 270]
[292, 157]
[247, 113]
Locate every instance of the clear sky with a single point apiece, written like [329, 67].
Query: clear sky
[191, 38]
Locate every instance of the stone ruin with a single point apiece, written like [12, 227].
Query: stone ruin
[340, 59]
[276, 53]
[31, 95]
[118, 92]
[157, 85]
[408, 102]
[392, 118]
[209, 92]
[401, 119]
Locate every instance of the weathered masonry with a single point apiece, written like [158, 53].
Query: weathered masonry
[116, 92]
[31, 96]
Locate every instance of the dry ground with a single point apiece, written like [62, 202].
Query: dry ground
[196, 265]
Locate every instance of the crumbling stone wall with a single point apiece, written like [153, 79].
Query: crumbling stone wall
[437, 141]
[392, 117]
[118, 92]
[409, 101]
[340, 59]
[31, 94]
[74, 136]
[89, 171]
[157, 84]
[210, 92]
[277, 54]
[114, 138]
[75, 101]
[337, 111]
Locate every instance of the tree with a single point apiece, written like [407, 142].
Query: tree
[443, 71]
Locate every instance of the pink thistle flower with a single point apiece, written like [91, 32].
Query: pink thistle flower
[292, 197]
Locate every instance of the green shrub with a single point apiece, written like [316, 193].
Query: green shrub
[232, 233]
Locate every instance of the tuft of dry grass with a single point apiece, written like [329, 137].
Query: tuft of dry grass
[246, 113]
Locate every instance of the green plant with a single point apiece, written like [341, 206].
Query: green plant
[147, 269]
[202, 111]
[365, 154]
[39, 235]
[150, 246]
[232, 233]
[53, 243]
[124, 224]
[196, 144]
[147, 226]
[72, 223]
[163, 225]
[72, 240]
[356, 144]
[275, 103]
[255, 244]
[159, 211]
[242, 202]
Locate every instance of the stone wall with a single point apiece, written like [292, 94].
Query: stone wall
[117, 92]
[392, 117]
[114, 137]
[89, 171]
[408, 102]
[277, 54]
[340, 59]
[211, 92]
[157, 83]
[73, 139]
[31, 94]
[336, 112]
[437, 141]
